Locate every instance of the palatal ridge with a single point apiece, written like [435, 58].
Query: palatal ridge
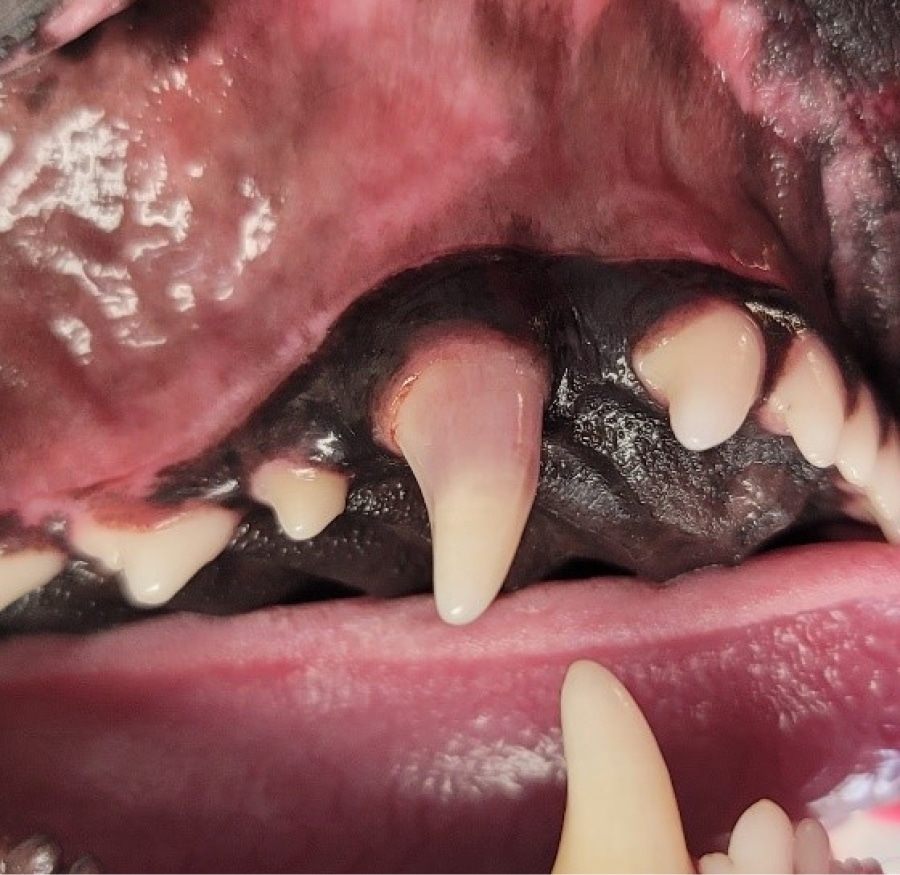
[478, 474]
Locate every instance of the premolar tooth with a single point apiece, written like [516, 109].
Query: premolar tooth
[157, 560]
[858, 445]
[708, 369]
[304, 498]
[468, 422]
[621, 813]
[21, 571]
[808, 400]
[883, 490]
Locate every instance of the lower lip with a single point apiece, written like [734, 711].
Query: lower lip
[359, 734]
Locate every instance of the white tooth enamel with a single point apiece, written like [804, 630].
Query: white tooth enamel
[808, 400]
[621, 814]
[708, 370]
[715, 864]
[304, 499]
[812, 850]
[156, 561]
[21, 571]
[858, 445]
[883, 490]
[762, 840]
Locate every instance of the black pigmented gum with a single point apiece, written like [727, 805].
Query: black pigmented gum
[617, 491]
[19, 23]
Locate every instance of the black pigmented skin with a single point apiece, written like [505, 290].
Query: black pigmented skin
[617, 491]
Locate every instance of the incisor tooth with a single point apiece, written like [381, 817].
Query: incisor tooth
[762, 840]
[707, 368]
[304, 498]
[883, 490]
[468, 423]
[621, 813]
[156, 561]
[858, 446]
[808, 400]
[812, 849]
[21, 571]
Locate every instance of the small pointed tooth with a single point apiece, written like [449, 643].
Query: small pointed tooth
[858, 445]
[708, 369]
[812, 849]
[883, 490]
[304, 498]
[715, 864]
[469, 426]
[762, 840]
[21, 571]
[808, 400]
[156, 561]
[621, 813]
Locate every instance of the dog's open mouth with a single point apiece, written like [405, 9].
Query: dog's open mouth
[582, 315]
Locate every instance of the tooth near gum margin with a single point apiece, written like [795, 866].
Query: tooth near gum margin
[304, 498]
[883, 490]
[762, 840]
[858, 445]
[708, 369]
[469, 425]
[156, 561]
[621, 814]
[812, 849]
[808, 400]
[21, 571]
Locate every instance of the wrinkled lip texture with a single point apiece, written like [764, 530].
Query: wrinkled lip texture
[367, 735]
[353, 735]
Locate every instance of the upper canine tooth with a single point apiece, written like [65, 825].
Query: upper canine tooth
[21, 571]
[860, 436]
[156, 560]
[708, 368]
[468, 421]
[621, 813]
[304, 498]
[808, 400]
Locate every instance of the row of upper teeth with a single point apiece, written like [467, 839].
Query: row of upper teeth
[467, 417]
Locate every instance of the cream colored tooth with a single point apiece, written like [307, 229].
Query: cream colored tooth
[808, 400]
[21, 571]
[715, 864]
[621, 813]
[156, 561]
[858, 445]
[304, 498]
[707, 368]
[469, 426]
[762, 840]
[812, 849]
[883, 490]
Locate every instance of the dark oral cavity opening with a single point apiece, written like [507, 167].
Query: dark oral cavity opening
[197, 241]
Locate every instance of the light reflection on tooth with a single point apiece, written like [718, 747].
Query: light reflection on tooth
[469, 426]
[304, 498]
[156, 561]
[858, 445]
[22, 571]
[808, 400]
[883, 490]
[708, 369]
[621, 814]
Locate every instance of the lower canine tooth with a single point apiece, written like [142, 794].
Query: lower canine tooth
[707, 368]
[158, 560]
[304, 499]
[858, 446]
[808, 400]
[468, 422]
[621, 814]
[21, 571]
